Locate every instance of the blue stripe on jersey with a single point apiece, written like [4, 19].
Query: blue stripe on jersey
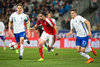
[84, 27]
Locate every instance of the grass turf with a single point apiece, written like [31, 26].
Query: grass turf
[65, 58]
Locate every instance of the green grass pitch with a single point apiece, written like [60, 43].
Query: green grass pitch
[65, 58]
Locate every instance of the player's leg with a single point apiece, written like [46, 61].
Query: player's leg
[26, 39]
[91, 49]
[80, 48]
[41, 42]
[3, 38]
[18, 47]
[83, 53]
[22, 36]
[78, 44]
[83, 47]
[52, 49]
[18, 42]
[51, 42]
[21, 47]
[43, 39]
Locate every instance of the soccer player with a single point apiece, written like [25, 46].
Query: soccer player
[2, 34]
[49, 15]
[18, 18]
[83, 34]
[48, 33]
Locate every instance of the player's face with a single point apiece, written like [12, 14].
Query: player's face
[73, 14]
[49, 15]
[40, 16]
[19, 9]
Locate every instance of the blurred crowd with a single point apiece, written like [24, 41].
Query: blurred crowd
[33, 7]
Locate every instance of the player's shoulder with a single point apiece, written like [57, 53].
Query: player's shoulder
[53, 19]
[24, 14]
[78, 16]
[14, 13]
[1, 22]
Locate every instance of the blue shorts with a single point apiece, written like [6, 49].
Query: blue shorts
[82, 41]
[19, 35]
[2, 37]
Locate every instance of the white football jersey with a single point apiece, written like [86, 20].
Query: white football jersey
[78, 24]
[18, 21]
[2, 28]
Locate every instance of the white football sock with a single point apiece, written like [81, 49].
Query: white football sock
[85, 55]
[88, 49]
[21, 49]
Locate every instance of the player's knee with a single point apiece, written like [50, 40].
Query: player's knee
[82, 50]
[21, 40]
[40, 44]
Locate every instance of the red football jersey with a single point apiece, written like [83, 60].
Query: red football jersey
[48, 26]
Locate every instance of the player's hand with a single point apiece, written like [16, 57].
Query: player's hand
[67, 34]
[90, 34]
[37, 31]
[0, 32]
[32, 28]
[9, 31]
[58, 38]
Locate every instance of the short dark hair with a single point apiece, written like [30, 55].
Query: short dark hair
[19, 4]
[42, 12]
[73, 10]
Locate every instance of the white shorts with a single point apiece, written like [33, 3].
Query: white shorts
[45, 36]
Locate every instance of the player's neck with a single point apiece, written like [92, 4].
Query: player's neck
[74, 17]
[19, 13]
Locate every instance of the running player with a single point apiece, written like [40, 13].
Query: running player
[83, 34]
[49, 15]
[2, 34]
[48, 33]
[18, 18]
[26, 38]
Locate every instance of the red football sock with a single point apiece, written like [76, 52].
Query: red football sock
[18, 47]
[41, 51]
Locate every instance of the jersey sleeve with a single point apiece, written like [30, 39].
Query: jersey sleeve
[2, 26]
[50, 22]
[11, 17]
[54, 21]
[38, 22]
[81, 19]
[71, 25]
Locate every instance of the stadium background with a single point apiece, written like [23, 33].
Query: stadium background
[90, 9]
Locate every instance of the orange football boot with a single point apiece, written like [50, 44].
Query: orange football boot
[90, 60]
[94, 51]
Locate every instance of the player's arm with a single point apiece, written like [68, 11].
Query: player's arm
[37, 24]
[56, 29]
[9, 27]
[9, 23]
[28, 26]
[71, 29]
[3, 28]
[70, 32]
[34, 27]
[89, 27]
